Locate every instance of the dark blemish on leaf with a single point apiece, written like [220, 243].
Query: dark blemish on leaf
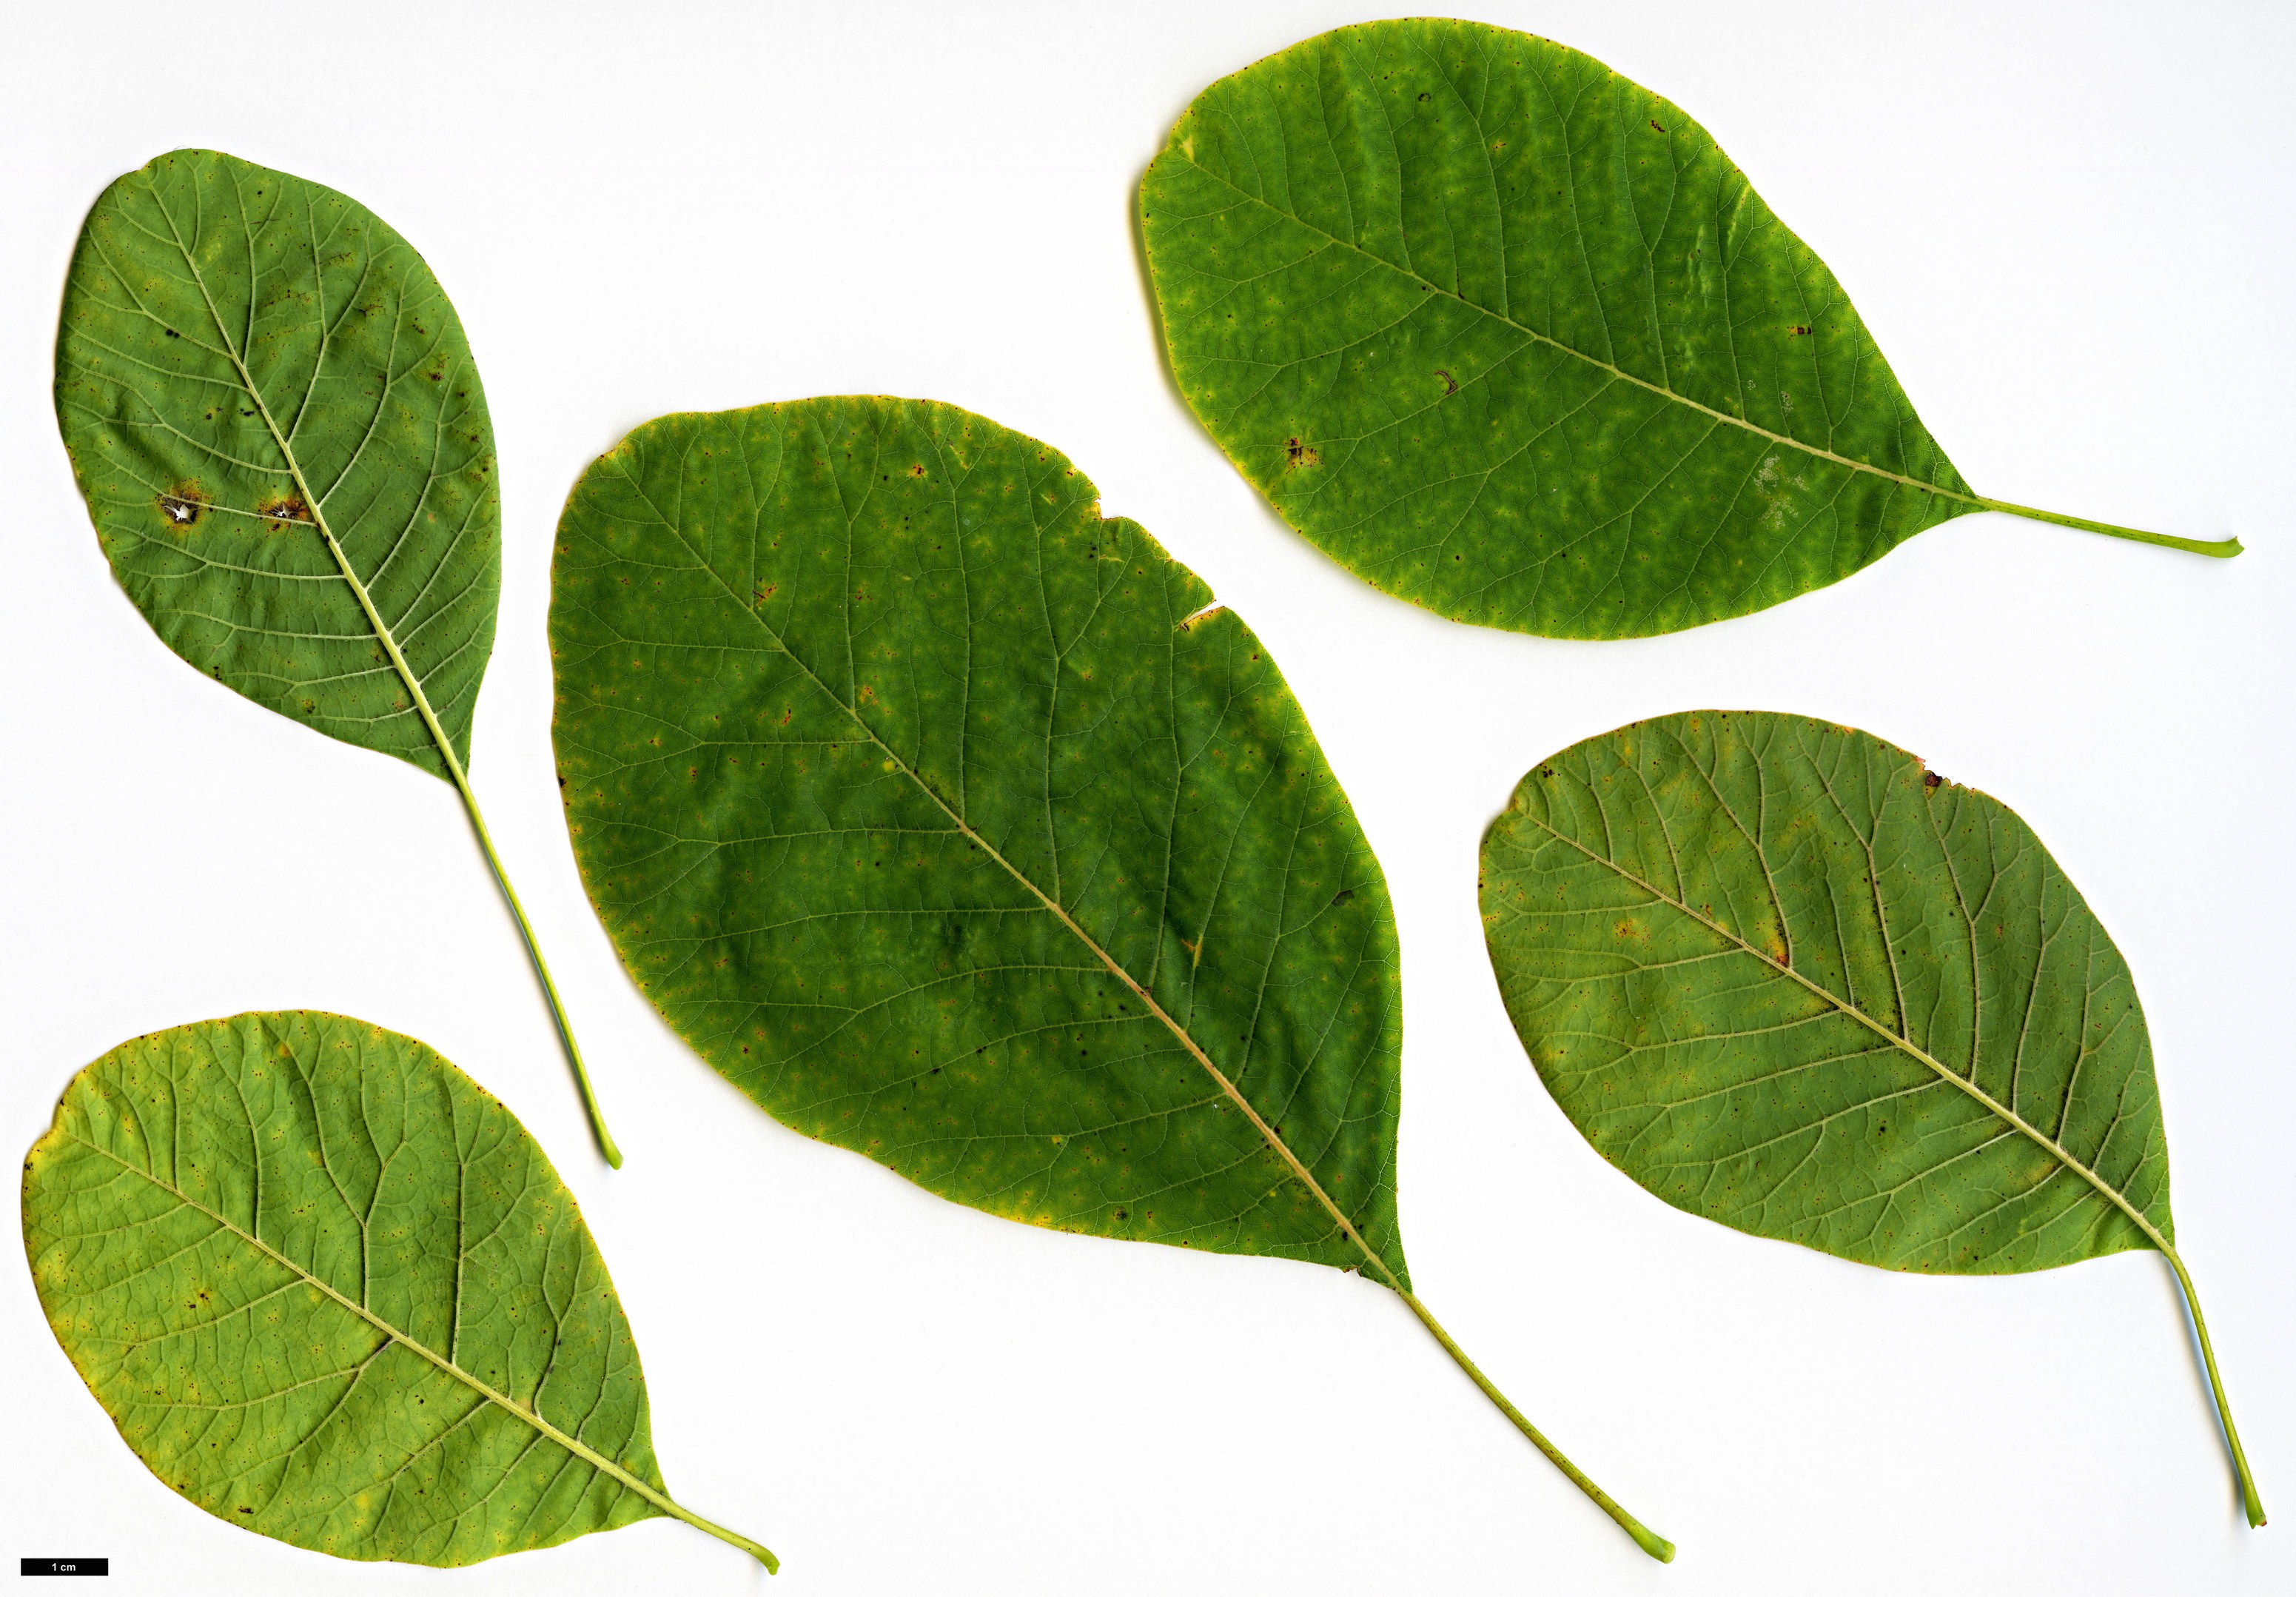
[1296, 454]
[1450, 384]
[285, 510]
[1798, 332]
[1343, 896]
[1931, 780]
[1655, 127]
[183, 504]
[173, 334]
[916, 471]
[1423, 96]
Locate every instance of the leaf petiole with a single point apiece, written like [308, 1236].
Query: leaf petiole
[2250, 1503]
[2222, 548]
[732, 1538]
[614, 1154]
[1645, 1538]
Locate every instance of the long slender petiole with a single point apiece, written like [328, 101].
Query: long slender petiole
[2222, 548]
[1645, 1538]
[2250, 1503]
[731, 1537]
[614, 1154]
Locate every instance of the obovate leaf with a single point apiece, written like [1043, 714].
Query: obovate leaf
[332, 1291]
[1787, 979]
[957, 825]
[1507, 336]
[277, 424]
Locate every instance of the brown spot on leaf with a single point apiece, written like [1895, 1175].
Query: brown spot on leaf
[1450, 384]
[183, 506]
[1296, 454]
[284, 510]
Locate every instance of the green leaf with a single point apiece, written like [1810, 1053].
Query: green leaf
[957, 825]
[278, 427]
[1788, 980]
[330, 1291]
[1507, 336]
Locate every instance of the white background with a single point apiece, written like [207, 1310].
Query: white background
[2070, 228]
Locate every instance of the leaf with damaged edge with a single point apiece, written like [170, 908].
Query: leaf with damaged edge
[957, 825]
[332, 1291]
[1788, 980]
[277, 423]
[1507, 336]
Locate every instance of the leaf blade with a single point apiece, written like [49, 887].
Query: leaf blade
[1509, 336]
[318, 1308]
[905, 703]
[248, 359]
[1853, 882]
[1787, 980]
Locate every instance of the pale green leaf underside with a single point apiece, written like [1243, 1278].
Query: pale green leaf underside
[936, 812]
[1510, 337]
[241, 348]
[332, 1291]
[1787, 980]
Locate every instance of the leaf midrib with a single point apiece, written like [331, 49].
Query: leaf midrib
[2017, 1121]
[1236, 1096]
[572, 1445]
[1172, 152]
